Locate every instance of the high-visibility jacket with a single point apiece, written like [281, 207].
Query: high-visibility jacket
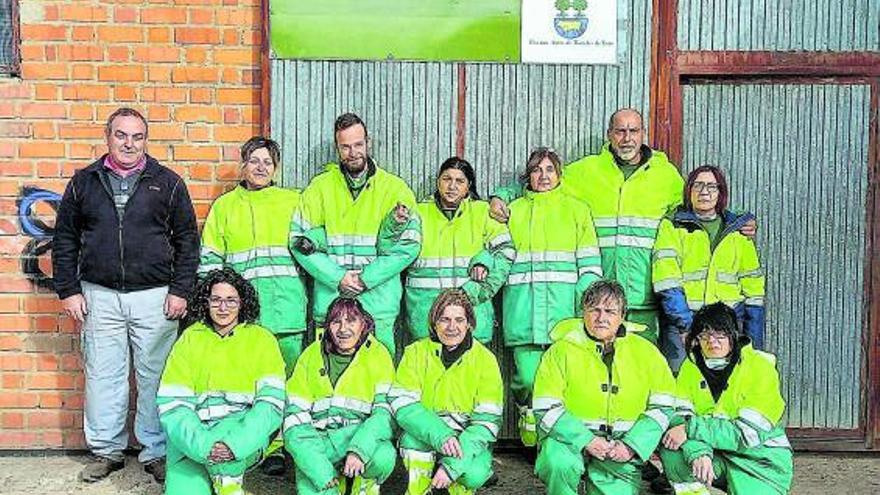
[432, 403]
[450, 249]
[557, 258]
[248, 231]
[209, 380]
[627, 213]
[689, 274]
[576, 396]
[357, 234]
[745, 421]
[354, 411]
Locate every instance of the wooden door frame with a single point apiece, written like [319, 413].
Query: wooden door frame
[672, 69]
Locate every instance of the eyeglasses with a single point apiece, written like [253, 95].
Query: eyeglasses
[716, 336]
[230, 303]
[709, 187]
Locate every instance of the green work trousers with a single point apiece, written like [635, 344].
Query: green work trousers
[378, 468]
[420, 462]
[764, 470]
[561, 470]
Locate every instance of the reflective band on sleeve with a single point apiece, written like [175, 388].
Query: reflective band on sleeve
[587, 252]
[542, 403]
[661, 254]
[299, 402]
[164, 408]
[297, 419]
[492, 427]
[545, 256]
[440, 262]
[278, 403]
[694, 276]
[549, 420]
[750, 436]
[488, 408]
[756, 418]
[658, 417]
[270, 271]
[273, 381]
[753, 273]
[667, 284]
[595, 270]
[532, 277]
[662, 400]
[351, 240]
[260, 252]
[754, 301]
[205, 268]
[500, 239]
[778, 442]
[411, 235]
[727, 278]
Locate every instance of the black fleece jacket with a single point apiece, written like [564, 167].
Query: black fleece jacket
[156, 243]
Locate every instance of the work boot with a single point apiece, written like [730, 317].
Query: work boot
[156, 467]
[99, 468]
[274, 465]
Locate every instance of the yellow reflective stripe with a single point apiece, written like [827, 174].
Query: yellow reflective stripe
[260, 252]
[442, 262]
[270, 271]
[667, 284]
[662, 254]
[727, 278]
[756, 418]
[351, 240]
[533, 277]
[695, 275]
[545, 256]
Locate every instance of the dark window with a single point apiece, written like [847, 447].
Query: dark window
[9, 37]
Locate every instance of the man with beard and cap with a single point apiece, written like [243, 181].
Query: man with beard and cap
[355, 230]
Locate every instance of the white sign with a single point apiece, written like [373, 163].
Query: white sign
[569, 31]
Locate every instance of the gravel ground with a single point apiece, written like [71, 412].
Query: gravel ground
[57, 474]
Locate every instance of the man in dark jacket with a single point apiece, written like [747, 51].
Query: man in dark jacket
[125, 253]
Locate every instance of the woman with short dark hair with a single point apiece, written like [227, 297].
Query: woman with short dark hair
[338, 423]
[700, 257]
[222, 396]
[462, 247]
[448, 399]
[728, 430]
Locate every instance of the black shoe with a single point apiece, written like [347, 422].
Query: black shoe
[274, 465]
[99, 468]
[649, 472]
[492, 481]
[156, 467]
[661, 485]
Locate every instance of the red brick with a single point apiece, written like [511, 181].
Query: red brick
[42, 304]
[238, 96]
[44, 130]
[201, 16]
[14, 322]
[81, 13]
[47, 362]
[32, 52]
[158, 114]
[43, 32]
[82, 72]
[124, 14]
[82, 92]
[194, 74]
[158, 34]
[20, 90]
[196, 55]
[46, 92]
[231, 37]
[124, 93]
[82, 112]
[237, 17]
[195, 36]
[156, 54]
[15, 129]
[198, 133]
[236, 56]
[159, 74]
[228, 172]
[201, 172]
[166, 132]
[41, 149]
[50, 13]
[7, 150]
[205, 191]
[83, 33]
[20, 399]
[252, 38]
[201, 95]
[170, 95]
[118, 54]
[120, 34]
[43, 111]
[9, 304]
[193, 153]
[197, 114]
[48, 169]
[12, 420]
[10, 343]
[19, 439]
[50, 419]
[44, 71]
[163, 15]
[131, 73]
[231, 116]
[78, 150]
[81, 131]
[233, 134]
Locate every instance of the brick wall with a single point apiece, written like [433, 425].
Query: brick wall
[192, 67]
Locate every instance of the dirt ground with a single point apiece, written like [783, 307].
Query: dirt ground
[57, 474]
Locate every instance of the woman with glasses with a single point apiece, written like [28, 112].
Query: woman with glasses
[222, 396]
[338, 423]
[700, 257]
[447, 398]
[557, 258]
[461, 248]
[727, 431]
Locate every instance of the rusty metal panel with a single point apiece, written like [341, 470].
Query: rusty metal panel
[409, 109]
[779, 25]
[797, 156]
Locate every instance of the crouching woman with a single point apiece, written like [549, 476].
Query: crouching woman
[338, 423]
[447, 398]
[728, 428]
[221, 397]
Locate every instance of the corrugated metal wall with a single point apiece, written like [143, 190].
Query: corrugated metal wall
[796, 155]
[779, 25]
[409, 109]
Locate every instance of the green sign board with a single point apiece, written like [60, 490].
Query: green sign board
[438, 30]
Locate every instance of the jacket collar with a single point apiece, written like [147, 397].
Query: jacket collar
[732, 221]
